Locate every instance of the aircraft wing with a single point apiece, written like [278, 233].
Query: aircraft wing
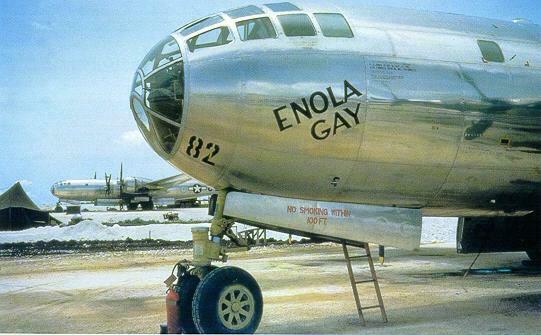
[167, 182]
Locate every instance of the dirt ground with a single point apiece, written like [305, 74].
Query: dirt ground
[305, 290]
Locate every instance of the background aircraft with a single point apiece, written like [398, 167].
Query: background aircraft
[347, 124]
[181, 189]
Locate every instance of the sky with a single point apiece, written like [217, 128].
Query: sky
[65, 74]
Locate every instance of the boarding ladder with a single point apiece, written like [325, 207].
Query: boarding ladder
[354, 282]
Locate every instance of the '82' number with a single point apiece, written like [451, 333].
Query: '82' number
[196, 148]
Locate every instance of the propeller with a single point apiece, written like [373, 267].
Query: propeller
[107, 184]
[121, 180]
[121, 186]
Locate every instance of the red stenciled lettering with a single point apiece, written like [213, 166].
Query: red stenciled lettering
[291, 209]
[314, 211]
[314, 220]
[341, 212]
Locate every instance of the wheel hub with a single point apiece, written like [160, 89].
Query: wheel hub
[236, 306]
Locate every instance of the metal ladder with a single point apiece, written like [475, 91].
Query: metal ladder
[355, 282]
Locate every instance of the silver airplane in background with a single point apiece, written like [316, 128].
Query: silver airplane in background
[181, 190]
[348, 124]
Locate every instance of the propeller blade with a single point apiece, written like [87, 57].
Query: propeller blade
[121, 179]
[107, 184]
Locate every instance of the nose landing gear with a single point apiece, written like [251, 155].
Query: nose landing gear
[208, 299]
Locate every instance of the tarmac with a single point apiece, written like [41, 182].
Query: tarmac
[305, 289]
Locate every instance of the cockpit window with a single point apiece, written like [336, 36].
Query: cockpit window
[170, 52]
[137, 85]
[167, 133]
[244, 11]
[164, 92]
[164, 52]
[282, 7]
[256, 29]
[211, 38]
[140, 112]
[158, 94]
[491, 51]
[201, 24]
[297, 25]
[334, 25]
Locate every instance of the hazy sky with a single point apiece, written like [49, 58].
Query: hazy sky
[65, 74]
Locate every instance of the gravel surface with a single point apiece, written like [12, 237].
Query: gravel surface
[305, 289]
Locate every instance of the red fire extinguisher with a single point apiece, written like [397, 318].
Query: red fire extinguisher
[173, 312]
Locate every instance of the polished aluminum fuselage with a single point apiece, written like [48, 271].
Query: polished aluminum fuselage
[191, 189]
[435, 127]
[96, 189]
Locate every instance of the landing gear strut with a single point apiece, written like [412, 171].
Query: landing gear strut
[210, 299]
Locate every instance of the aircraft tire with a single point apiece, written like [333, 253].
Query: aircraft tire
[132, 207]
[227, 301]
[535, 255]
[186, 290]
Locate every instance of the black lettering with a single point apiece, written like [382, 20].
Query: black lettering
[333, 98]
[343, 123]
[280, 120]
[304, 111]
[355, 115]
[207, 159]
[349, 87]
[313, 103]
[323, 134]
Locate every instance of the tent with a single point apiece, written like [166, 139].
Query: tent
[18, 211]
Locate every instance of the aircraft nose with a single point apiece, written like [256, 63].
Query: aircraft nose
[157, 96]
[53, 189]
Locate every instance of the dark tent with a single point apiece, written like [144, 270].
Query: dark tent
[18, 211]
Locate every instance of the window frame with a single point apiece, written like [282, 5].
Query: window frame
[321, 27]
[482, 43]
[292, 8]
[192, 49]
[258, 11]
[186, 30]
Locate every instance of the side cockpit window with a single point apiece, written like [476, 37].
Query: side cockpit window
[334, 25]
[256, 29]
[211, 38]
[297, 25]
[492, 53]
